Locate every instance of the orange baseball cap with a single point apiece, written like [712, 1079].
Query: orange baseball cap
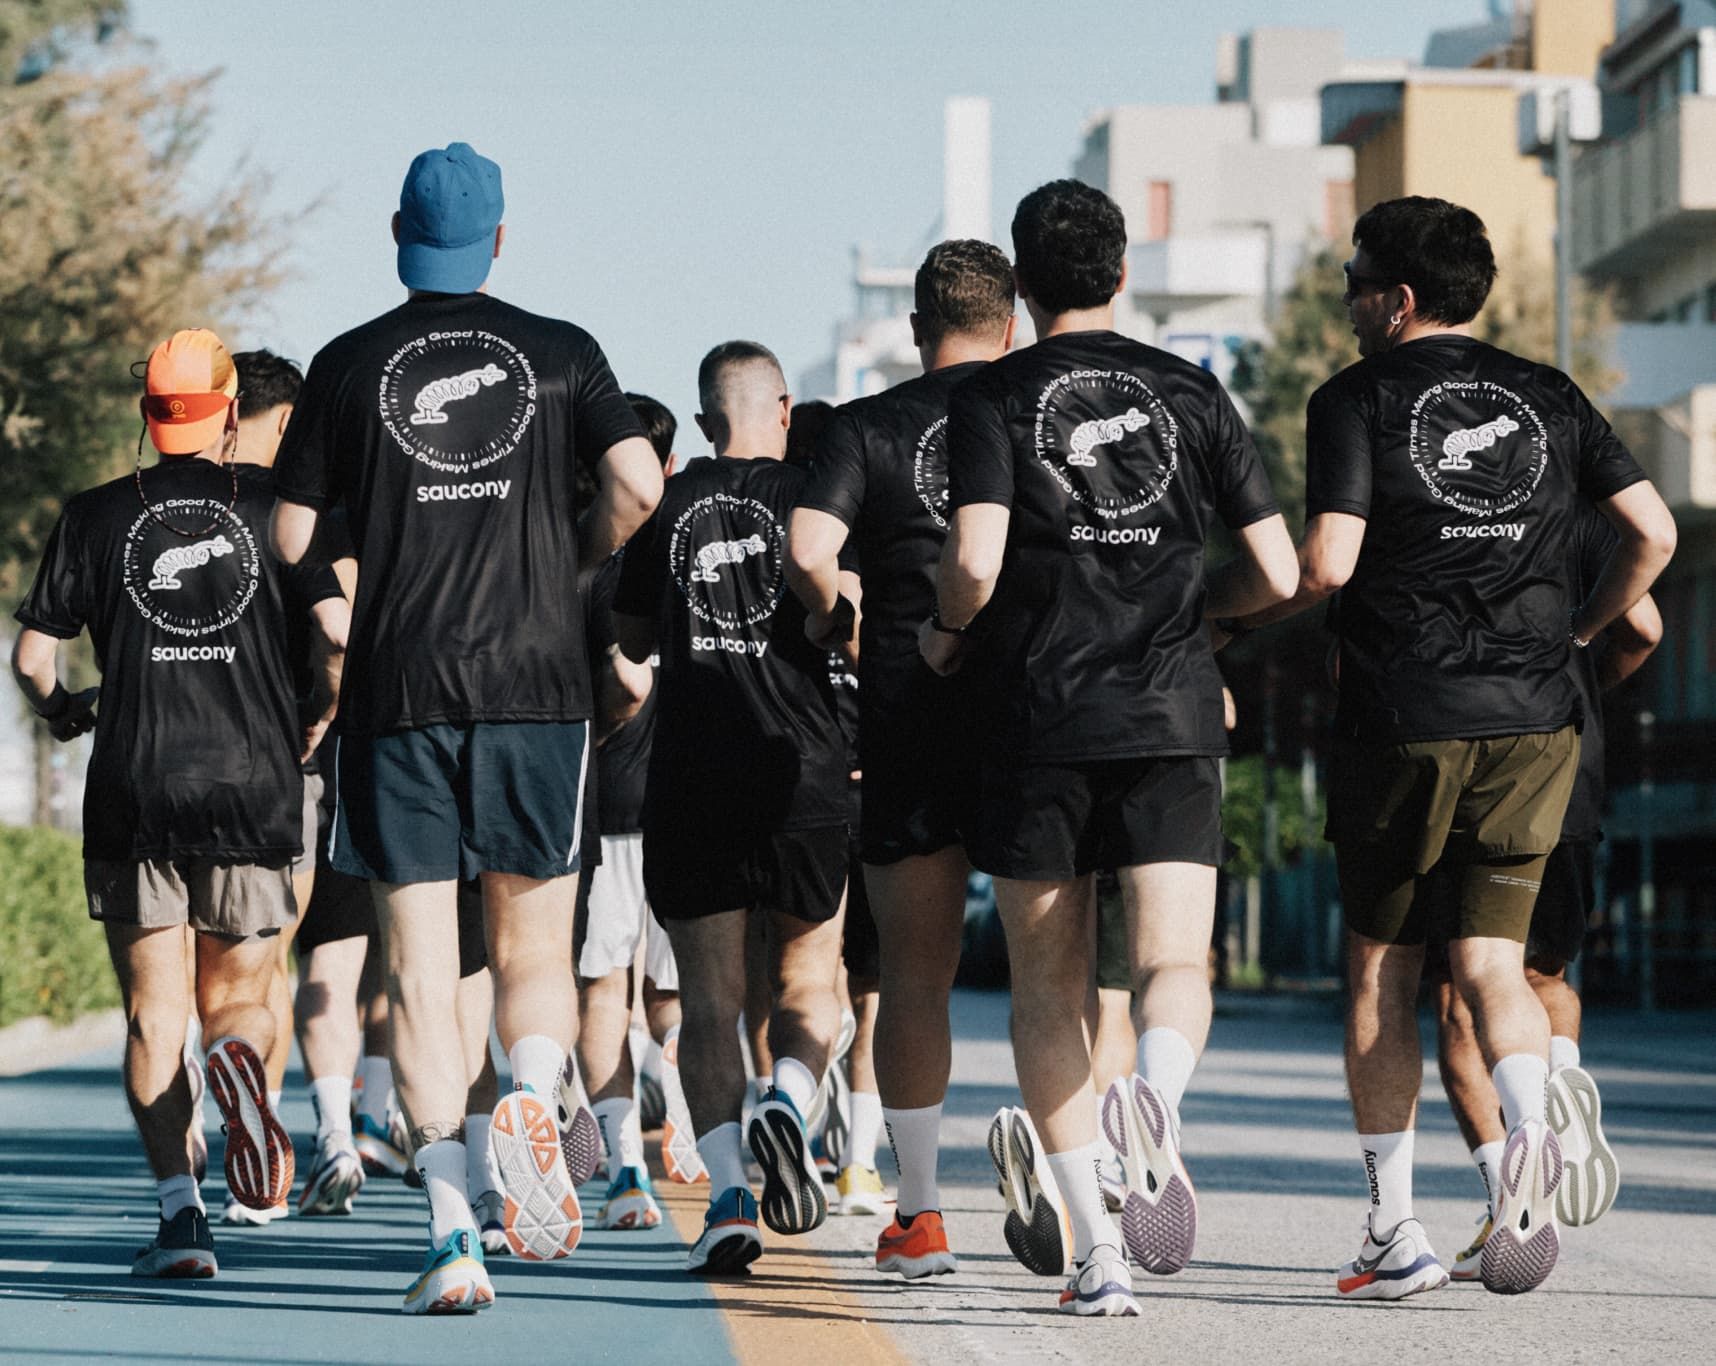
[188, 387]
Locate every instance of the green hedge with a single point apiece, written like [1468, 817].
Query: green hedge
[53, 957]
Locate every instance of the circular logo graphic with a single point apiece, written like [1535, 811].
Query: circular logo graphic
[929, 470]
[191, 586]
[725, 555]
[1478, 447]
[458, 401]
[1107, 440]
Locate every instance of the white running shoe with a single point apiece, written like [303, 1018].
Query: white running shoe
[336, 1176]
[580, 1135]
[1524, 1245]
[1037, 1228]
[1159, 1219]
[1465, 1266]
[1592, 1177]
[1101, 1286]
[542, 1216]
[236, 1213]
[489, 1210]
[199, 1143]
[259, 1159]
[679, 1156]
[453, 1279]
[1403, 1265]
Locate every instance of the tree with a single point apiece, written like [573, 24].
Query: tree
[102, 254]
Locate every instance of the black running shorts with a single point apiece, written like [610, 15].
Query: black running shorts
[1051, 822]
[917, 787]
[340, 908]
[690, 873]
[442, 802]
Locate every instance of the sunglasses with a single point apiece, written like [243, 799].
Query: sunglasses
[1358, 283]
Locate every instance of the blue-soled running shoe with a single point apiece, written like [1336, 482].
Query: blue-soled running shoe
[630, 1201]
[730, 1241]
[453, 1280]
[381, 1156]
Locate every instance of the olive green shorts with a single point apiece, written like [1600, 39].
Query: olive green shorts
[1484, 814]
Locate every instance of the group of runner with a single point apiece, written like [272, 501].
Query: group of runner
[432, 650]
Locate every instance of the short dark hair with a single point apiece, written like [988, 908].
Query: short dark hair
[659, 425]
[808, 421]
[1069, 242]
[1438, 248]
[726, 354]
[265, 381]
[963, 286]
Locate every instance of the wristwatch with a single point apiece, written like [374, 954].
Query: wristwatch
[1573, 635]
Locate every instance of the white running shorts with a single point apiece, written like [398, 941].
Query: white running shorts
[619, 917]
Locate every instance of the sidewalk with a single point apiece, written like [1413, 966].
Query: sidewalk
[1268, 1141]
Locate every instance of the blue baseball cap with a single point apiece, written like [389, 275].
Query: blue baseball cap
[449, 209]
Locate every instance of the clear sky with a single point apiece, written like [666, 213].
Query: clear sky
[679, 172]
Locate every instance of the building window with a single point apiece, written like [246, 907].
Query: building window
[1159, 211]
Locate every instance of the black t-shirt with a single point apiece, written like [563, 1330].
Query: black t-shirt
[622, 762]
[1114, 457]
[450, 429]
[746, 734]
[196, 738]
[1592, 543]
[1467, 463]
[881, 468]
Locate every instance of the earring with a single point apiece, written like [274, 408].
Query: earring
[1394, 321]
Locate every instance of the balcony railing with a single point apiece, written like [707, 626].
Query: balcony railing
[1647, 193]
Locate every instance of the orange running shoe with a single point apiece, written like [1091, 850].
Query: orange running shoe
[542, 1217]
[918, 1250]
[259, 1158]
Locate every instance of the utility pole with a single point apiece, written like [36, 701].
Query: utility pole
[1563, 230]
[1647, 864]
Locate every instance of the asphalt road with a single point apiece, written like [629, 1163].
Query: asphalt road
[1268, 1141]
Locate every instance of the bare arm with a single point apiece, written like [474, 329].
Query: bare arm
[621, 688]
[970, 564]
[1264, 573]
[1630, 642]
[1648, 538]
[35, 660]
[292, 530]
[814, 542]
[333, 618]
[629, 486]
[1327, 557]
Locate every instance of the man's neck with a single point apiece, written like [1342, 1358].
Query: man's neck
[959, 350]
[1416, 330]
[748, 450]
[1073, 320]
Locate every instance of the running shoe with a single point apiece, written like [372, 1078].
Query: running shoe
[259, 1162]
[730, 1241]
[400, 1136]
[236, 1213]
[199, 1143]
[1403, 1265]
[542, 1217]
[1036, 1228]
[1101, 1286]
[679, 1156]
[859, 1191]
[917, 1249]
[1591, 1177]
[183, 1248]
[336, 1176]
[837, 1121]
[1111, 1175]
[1523, 1246]
[580, 1135]
[824, 1164]
[652, 1098]
[630, 1201]
[793, 1199]
[1159, 1219]
[489, 1208]
[376, 1149]
[1465, 1266]
[453, 1279]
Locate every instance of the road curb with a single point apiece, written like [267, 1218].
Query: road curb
[36, 1043]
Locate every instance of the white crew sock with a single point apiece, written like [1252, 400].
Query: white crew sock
[375, 1096]
[1563, 1052]
[1488, 1156]
[866, 1129]
[1166, 1059]
[481, 1174]
[332, 1099]
[649, 1065]
[916, 1138]
[795, 1081]
[719, 1149]
[537, 1062]
[274, 1101]
[1521, 1079]
[193, 1033]
[1075, 1174]
[1388, 1171]
[441, 1164]
[618, 1120]
[178, 1193]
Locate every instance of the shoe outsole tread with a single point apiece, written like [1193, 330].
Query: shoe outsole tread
[793, 1199]
[1159, 1218]
[1591, 1181]
[731, 1255]
[1033, 1229]
[1524, 1244]
[259, 1160]
[542, 1216]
